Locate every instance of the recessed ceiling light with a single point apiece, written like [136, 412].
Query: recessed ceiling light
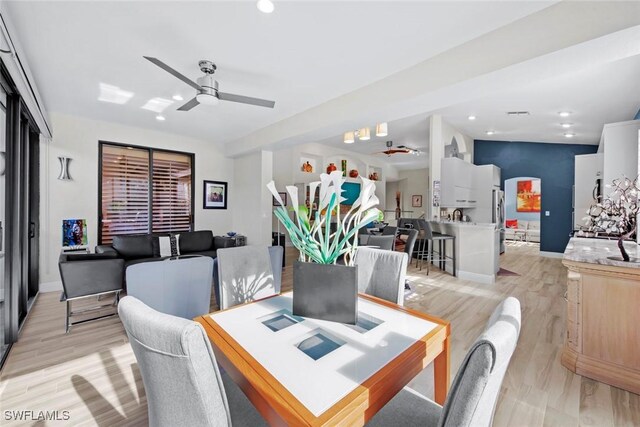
[471, 117]
[569, 135]
[160, 118]
[178, 98]
[564, 113]
[265, 6]
[490, 132]
[566, 125]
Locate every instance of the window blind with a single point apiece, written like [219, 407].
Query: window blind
[171, 192]
[144, 190]
[125, 191]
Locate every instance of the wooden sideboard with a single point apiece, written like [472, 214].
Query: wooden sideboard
[603, 319]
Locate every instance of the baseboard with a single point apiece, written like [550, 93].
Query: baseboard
[551, 254]
[486, 279]
[51, 286]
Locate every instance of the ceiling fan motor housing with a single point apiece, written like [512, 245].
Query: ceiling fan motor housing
[209, 85]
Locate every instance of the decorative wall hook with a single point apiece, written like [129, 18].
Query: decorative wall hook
[64, 168]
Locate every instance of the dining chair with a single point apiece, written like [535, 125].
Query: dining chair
[381, 242]
[183, 384]
[474, 391]
[180, 287]
[409, 245]
[247, 273]
[381, 273]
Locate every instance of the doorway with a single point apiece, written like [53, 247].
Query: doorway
[523, 201]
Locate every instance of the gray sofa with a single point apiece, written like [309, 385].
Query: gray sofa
[135, 249]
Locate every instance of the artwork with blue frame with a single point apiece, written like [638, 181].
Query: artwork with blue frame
[351, 192]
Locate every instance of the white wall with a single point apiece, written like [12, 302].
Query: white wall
[414, 182]
[621, 154]
[78, 138]
[252, 201]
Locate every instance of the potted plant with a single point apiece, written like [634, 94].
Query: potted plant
[322, 288]
[617, 214]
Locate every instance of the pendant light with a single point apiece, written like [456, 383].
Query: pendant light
[364, 134]
[349, 138]
[381, 129]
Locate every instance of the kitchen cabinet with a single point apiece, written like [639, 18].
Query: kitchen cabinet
[457, 184]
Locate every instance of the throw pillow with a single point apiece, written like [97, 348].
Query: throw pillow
[165, 246]
[175, 246]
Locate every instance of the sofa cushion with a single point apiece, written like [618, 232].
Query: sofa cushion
[212, 253]
[134, 247]
[195, 241]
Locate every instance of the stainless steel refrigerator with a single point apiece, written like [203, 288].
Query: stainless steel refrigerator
[498, 213]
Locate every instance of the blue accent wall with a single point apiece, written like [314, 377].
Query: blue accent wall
[554, 164]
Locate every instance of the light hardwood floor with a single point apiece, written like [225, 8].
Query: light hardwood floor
[92, 372]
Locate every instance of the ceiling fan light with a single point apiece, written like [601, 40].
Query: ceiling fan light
[364, 134]
[207, 99]
[381, 129]
[349, 138]
[265, 6]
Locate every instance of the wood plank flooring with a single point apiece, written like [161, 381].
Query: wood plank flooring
[93, 374]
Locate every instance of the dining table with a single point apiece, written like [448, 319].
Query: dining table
[311, 372]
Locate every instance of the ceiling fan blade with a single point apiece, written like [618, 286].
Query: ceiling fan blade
[189, 105]
[246, 100]
[173, 72]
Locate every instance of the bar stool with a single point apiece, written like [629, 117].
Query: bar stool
[427, 243]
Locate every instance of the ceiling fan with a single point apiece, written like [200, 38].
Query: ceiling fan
[402, 149]
[207, 87]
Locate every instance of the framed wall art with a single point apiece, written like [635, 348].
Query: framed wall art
[215, 195]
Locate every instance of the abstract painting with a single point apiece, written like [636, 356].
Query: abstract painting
[528, 196]
[74, 232]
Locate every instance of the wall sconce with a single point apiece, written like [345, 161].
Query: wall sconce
[64, 169]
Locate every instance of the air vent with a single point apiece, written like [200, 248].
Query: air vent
[518, 113]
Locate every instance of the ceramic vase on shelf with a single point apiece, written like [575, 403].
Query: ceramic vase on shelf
[307, 167]
[373, 176]
[332, 167]
[353, 173]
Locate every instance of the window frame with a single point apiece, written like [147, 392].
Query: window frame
[150, 151]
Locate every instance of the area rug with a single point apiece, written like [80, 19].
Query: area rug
[504, 272]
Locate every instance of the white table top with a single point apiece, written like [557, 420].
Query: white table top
[319, 384]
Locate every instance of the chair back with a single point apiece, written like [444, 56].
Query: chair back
[248, 273]
[389, 231]
[412, 236]
[179, 371]
[475, 389]
[425, 229]
[407, 223]
[382, 242]
[382, 273]
[179, 287]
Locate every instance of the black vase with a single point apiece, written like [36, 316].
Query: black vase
[325, 292]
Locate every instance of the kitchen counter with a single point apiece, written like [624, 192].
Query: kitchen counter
[477, 249]
[598, 251]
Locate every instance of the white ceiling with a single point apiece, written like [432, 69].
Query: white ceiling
[302, 55]
[602, 94]
[412, 132]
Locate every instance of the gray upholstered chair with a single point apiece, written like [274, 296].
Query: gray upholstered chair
[247, 273]
[89, 275]
[382, 273]
[181, 378]
[474, 392]
[180, 286]
[381, 242]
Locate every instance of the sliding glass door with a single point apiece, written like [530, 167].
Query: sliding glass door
[19, 212]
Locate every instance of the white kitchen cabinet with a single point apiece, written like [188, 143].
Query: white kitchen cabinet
[457, 185]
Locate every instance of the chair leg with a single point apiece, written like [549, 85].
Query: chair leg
[454, 258]
[429, 256]
[67, 325]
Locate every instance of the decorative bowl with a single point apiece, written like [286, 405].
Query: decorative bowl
[231, 233]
